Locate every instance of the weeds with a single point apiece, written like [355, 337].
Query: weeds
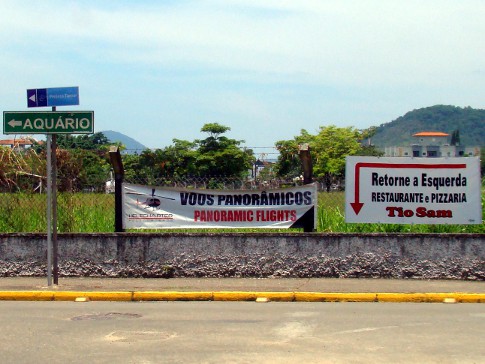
[94, 212]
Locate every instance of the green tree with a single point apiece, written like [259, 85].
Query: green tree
[367, 134]
[133, 169]
[371, 151]
[218, 155]
[175, 160]
[289, 164]
[332, 144]
[96, 141]
[329, 148]
[215, 155]
[181, 157]
[214, 129]
[82, 161]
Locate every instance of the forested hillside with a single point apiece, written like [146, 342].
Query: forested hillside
[468, 121]
[132, 146]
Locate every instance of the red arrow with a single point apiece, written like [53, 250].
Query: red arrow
[357, 205]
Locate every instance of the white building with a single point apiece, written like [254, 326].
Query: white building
[431, 145]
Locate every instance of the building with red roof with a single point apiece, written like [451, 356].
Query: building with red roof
[21, 143]
[432, 144]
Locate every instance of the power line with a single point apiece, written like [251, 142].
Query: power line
[261, 147]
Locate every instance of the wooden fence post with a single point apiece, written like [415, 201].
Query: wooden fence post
[117, 163]
[306, 161]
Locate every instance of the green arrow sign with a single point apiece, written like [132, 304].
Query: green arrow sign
[48, 122]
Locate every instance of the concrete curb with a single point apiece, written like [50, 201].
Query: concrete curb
[439, 297]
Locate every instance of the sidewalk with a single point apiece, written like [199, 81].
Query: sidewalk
[242, 289]
[346, 285]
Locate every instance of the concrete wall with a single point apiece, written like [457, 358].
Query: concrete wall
[425, 256]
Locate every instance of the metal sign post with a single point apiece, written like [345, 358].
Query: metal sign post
[55, 245]
[52, 245]
[49, 210]
[50, 123]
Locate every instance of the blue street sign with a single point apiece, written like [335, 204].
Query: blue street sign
[59, 96]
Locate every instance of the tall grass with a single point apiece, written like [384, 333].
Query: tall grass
[94, 212]
[76, 212]
[21, 212]
[85, 212]
[331, 218]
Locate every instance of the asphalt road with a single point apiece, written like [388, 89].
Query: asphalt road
[240, 332]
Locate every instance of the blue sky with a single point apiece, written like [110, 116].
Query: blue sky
[158, 70]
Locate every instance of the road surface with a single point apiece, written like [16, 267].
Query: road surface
[240, 332]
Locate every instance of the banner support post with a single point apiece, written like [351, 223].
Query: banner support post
[117, 163]
[307, 165]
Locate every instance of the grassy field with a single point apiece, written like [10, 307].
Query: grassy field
[331, 218]
[91, 213]
[80, 212]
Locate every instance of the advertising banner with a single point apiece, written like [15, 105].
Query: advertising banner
[413, 190]
[147, 207]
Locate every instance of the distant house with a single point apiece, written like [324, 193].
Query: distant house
[258, 167]
[430, 144]
[22, 143]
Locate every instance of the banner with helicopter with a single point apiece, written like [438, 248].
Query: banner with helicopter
[148, 207]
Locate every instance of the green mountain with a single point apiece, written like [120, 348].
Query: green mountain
[468, 121]
[132, 146]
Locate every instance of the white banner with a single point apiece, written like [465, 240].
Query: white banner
[413, 190]
[147, 207]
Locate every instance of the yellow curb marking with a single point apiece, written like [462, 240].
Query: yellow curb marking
[449, 300]
[457, 297]
[172, 296]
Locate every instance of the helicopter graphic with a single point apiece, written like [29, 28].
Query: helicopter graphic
[151, 201]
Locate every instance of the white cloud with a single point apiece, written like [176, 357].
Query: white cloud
[390, 55]
[347, 41]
